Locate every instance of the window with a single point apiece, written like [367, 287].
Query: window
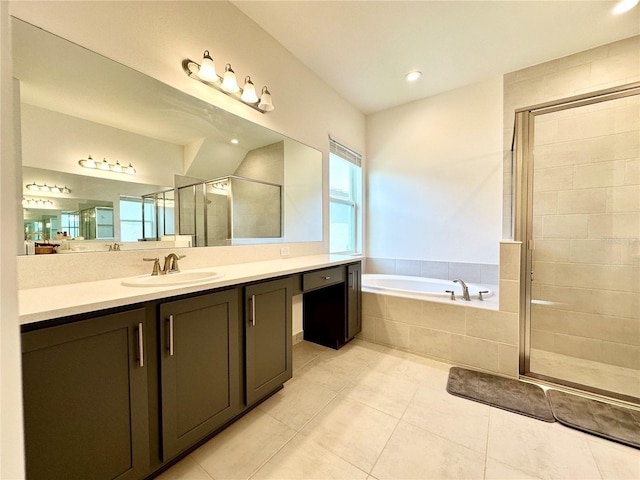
[345, 199]
[131, 219]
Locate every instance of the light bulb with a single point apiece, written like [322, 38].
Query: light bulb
[413, 75]
[45, 188]
[207, 71]
[104, 165]
[130, 170]
[117, 167]
[265, 101]
[88, 162]
[33, 187]
[229, 82]
[56, 189]
[249, 91]
[624, 6]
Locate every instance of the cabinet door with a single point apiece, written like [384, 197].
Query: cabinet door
[85, 399]
[268, 337]
[354, 300]
[199, 368]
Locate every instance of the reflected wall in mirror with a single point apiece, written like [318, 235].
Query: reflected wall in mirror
[75, 103]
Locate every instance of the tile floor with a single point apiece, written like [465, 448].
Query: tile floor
[372, 412]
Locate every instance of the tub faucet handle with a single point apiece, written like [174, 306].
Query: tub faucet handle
[453, 294]
[480, 294]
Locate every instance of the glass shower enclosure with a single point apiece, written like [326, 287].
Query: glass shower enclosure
[579, 177]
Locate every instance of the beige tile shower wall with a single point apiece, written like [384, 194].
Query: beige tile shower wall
[587, 229]
[602, 67]
[476, 337]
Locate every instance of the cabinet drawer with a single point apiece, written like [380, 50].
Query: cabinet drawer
[322, 278]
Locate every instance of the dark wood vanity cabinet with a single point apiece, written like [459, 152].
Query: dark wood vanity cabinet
[332, 305]
[199, 368]
[354, 300]
[85, 399]
[268, 337]
[121, 394]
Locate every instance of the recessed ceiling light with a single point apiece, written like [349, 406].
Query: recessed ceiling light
[413, 75]
[624, 6]
[235, 141]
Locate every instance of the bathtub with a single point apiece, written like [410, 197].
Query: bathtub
[419, 287]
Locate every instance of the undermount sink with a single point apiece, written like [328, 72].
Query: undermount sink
[170, 279]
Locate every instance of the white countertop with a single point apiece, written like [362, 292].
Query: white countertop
[37, 304]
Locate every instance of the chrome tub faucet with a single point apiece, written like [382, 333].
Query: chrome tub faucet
[465, 289]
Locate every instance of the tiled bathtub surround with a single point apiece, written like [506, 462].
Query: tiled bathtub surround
[466, 335]
[486, 274]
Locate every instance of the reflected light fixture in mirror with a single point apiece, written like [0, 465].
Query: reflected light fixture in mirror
[32, 202]
[205, 72]
[34, 187]
[106, 166]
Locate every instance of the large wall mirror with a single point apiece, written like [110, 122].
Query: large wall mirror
[203, 176]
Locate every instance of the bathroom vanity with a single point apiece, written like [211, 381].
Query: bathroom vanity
[134, 378]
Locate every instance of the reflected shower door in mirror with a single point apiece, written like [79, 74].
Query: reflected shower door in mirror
[230, 211]
[123, 118]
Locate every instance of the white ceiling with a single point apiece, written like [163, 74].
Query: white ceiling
[362, 49]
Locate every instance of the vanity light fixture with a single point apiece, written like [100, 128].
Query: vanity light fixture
[205, 72]
[32, 202]
[106, 166]
[235, 141]
[34, 187]
[624, 6]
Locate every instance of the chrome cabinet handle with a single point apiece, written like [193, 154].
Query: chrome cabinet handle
[351, 282]
[327, 278]
[170, 336]
[140, 346]
[253, 310]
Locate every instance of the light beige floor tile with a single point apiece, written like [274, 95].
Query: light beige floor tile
[414, 453]
[241, 449]
[454, 418]
[615, 461]
[299, 401]
[413, 368]
[185, 469]
[304, 459]
[333, 371]
[351, 430]
[304, 352]
[384, 392]
[495, 470]
[547, 450]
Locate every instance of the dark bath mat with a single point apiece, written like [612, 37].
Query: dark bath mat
[598, 418]
[506, 393]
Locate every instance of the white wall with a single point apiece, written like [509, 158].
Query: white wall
[11, 448]
[434, 170]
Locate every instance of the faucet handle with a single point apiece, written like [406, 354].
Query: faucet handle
[453, 294]
[156, 264]
[480, 294]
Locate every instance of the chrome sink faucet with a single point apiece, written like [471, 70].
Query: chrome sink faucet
[170, 264]
[465, 289]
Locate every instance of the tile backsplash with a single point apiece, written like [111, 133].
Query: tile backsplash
[484, 273]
